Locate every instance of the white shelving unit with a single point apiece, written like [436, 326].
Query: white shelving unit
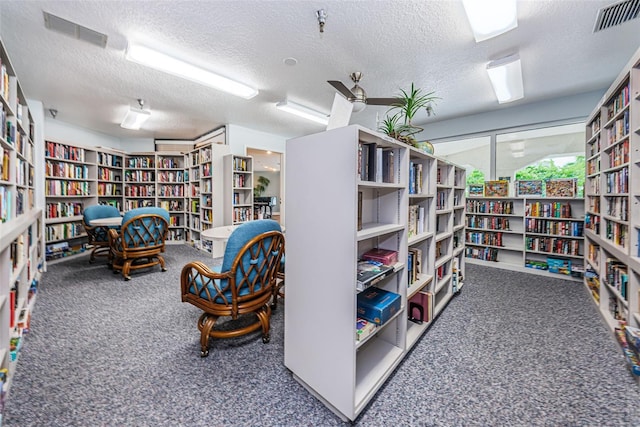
[21, 228]
[523, 233]
[612, 189]
[323, 250]
[238, 189]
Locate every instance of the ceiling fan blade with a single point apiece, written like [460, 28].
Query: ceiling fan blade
[385, 101]
[340, 87]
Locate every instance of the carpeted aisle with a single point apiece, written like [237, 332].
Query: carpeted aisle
[511, 350]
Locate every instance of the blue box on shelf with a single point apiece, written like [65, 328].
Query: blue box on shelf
[560, 266]
[377, 305]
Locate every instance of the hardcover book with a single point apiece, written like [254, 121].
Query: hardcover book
[364, 328]
[385, 256]
[370, 273]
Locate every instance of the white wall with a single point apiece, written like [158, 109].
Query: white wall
[239, 138]
[558, 109]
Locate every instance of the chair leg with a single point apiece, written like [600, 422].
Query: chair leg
[205, 324]
[161, 260]
[126, 268]
[264, 317]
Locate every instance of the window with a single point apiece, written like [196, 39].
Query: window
[550, 152]
[474, 154]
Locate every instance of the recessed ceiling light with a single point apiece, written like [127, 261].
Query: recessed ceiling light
[291, 61]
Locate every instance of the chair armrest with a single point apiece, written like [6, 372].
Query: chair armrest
[194, 268]
[113, 236]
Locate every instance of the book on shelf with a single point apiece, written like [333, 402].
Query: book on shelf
[370, 272]
[496, 188]
[385, 256]
[364, 328]
[421, 307]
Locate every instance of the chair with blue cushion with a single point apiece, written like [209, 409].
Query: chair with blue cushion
[241, 287]
[98, 235]
[140, 241]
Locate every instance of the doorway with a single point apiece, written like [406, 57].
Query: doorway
[268, 183]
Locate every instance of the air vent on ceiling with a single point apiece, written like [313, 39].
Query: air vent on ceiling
[74, 30]
[616, 14]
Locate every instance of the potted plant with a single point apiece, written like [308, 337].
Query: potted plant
[400, 125]
[261, 186]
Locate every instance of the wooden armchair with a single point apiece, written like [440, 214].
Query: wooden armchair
[98, 235]
[242, 286]
[140, 240]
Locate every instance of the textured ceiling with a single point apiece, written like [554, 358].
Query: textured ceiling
[394, 43]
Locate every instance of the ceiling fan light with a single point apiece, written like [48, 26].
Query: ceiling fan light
[358, 105]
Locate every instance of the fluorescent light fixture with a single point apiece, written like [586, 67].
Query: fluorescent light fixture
[135, 118]
[302, 111]
[490, 18]
[506, 78]
[162, 62]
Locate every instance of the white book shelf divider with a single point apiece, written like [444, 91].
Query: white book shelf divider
[612, 223]
[21, 225]
[372, 181]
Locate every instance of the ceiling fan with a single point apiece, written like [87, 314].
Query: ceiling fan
[358, 96]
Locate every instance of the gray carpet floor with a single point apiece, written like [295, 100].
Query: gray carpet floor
[513, 349]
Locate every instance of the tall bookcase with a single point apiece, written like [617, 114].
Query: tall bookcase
[21, 248]
[612, 189]
[534, 234]
[323, 250]
[238, 189]
[110, 173]
[170, 191]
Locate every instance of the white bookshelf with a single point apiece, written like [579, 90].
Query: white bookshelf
[322, 254]
[238, 189]
[612, 190]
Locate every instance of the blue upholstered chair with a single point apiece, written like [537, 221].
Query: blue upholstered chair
[98, 235]
[242, 286]
[140, 240]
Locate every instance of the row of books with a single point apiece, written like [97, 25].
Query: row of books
[618, 207]
[592, 222]
[618, 103]
[105, 174]
[375, 163]
[140, 162]
[593, 165]
[416, 220]
[139, 176]
[66, 170]
[617, 276]
[543, 226]
[242, 214]
[64, 152]
[414, 264]
[415, 178]
[4, 166]
[140, 191]
[493, 206]
[240, 164]
[134, 204]
[618, 181]
[619, 154]
[62, 231]
[67, 188]
[493, 239]
[553, 245]
[488, 223]
[63, 209]
[166, 176]
[112, 160]
[207, 170]
[240, 180]
[616, 233]
[169, 163]
[109, 189]
[171, 205]
[548, 209]
[619, 129]
[170, 190]
[485, 254]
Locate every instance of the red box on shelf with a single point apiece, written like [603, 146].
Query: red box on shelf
[385, 256]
